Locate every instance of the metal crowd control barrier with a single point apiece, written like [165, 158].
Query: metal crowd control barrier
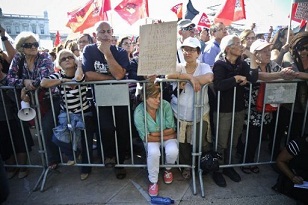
[11, 105]
[116, 93]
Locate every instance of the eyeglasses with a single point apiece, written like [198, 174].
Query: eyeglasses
[188, 28]
[302, 48]
[189, 50]
[65, 58]
[250, 38]
[29, 45]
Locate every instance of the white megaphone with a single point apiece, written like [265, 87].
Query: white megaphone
[26, 113]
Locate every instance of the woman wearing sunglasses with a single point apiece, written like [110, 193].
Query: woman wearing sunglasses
[299, 63]
[75, 104]
[26, 71]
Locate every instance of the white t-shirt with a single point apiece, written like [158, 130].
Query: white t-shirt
[186, 98]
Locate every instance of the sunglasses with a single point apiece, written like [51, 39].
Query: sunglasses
[302, 48]
[189, 28]
[66, 58]
[29, 45]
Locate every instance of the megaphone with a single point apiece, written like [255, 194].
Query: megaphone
[26, 113]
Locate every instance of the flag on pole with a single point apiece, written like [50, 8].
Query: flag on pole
[87, 15]
[233, 10]
[191, 12]
[204, 21]
[57, 39]
[132, 10]
[177, 9]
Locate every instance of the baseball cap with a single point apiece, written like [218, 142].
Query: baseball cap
[185, 22]
[258, 45]
[191, 42]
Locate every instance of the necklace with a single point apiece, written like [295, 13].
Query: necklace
[192, 71]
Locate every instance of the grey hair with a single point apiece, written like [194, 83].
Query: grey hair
[227, 41]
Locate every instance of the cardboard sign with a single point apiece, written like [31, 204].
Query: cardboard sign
[280, 93]
[157, 49]
[302, 11]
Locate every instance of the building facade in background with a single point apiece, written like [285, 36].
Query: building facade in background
[16, 23]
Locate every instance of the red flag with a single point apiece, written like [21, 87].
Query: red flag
[233, 10]
[299, 12]
[57, 39]
[204, 21]
[132, 10]
[294, 8]
[177, 9]
[86, 16]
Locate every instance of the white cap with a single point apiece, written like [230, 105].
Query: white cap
[258, 45]
[191, 42]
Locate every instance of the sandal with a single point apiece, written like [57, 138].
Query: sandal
[53, 165]
[246, 170]
[120, 173]
[255, 169]
[186, 173]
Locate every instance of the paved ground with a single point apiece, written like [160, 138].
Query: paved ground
[64, 187]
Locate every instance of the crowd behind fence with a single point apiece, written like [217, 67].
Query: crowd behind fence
[116, 94]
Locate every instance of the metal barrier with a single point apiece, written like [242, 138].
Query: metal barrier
[116, 93]
[12, 137]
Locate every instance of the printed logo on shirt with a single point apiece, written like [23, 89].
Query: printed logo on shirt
[101, 67]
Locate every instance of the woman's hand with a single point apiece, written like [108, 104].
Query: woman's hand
[24, 96]
[240, 79]
[288, 73]
[297, 180]
[195, 83]
[28, 84]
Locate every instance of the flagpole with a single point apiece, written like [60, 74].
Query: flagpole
[290, 21]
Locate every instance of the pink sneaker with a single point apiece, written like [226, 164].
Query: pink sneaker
[153, 189]
[168, 177]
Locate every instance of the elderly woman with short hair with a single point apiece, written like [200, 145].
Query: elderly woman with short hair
[27, 69]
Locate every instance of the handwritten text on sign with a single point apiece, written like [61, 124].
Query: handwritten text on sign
[157, 49]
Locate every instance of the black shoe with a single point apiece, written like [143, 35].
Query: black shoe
[219, 179]
[232, 174]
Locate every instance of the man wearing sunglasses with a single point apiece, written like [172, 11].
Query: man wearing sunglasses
[186, 28]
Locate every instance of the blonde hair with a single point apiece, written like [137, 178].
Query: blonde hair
[59, 56]
[22, 38]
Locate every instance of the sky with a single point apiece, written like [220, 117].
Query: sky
[263, 12]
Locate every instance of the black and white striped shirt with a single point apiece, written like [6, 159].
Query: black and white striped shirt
[72, 96]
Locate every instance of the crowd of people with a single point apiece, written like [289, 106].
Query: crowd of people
[228, 63]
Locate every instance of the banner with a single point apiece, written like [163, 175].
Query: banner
[132, 10]
[302, 11]
[233, 10]
[86, 16]
[157, 48]
[204, 21]
[177, 9]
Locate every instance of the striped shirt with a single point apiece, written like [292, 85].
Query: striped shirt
[298, 148]
[71, 95]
